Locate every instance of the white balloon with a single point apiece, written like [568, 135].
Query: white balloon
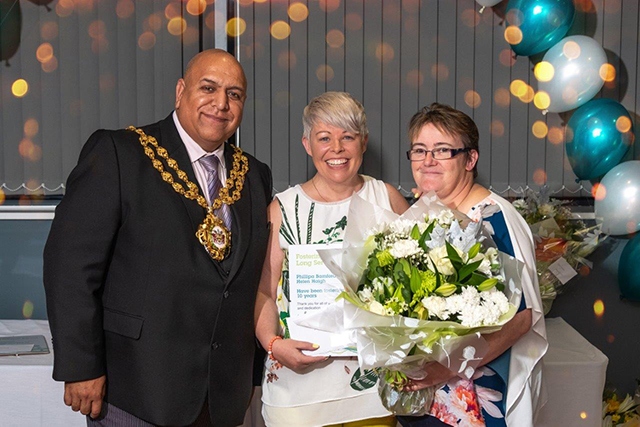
[618, 199]
[488, 3]
[576, 62]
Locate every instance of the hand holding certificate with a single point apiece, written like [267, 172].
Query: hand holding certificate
[316, 316]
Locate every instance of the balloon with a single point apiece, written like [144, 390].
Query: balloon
[617, 200]
[576, 62]
[598, 136]
[542, 23]
[487, 3]
[628, 271]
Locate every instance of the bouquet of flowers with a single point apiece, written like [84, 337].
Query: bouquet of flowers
[559, 239]
[419, 288]
[621, 414]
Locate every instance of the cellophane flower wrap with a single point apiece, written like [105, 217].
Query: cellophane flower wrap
[558, 233]
[420, 287]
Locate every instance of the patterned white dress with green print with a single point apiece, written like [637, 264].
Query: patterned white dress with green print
[336, 390]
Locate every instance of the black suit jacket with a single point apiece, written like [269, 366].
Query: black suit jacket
[132, 294]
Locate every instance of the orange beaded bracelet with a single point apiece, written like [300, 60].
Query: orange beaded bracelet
[270, 346]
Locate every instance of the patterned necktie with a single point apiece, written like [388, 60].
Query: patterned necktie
[211, 164]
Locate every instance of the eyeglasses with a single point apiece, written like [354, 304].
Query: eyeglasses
[440, 153]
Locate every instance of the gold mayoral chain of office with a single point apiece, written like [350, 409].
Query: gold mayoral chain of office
[212, 233]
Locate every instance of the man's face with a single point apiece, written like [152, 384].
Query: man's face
[210, 98]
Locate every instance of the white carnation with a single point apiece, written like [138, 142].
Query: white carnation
[377, 308]
[436, 306]
[404, 248]
[401, 226]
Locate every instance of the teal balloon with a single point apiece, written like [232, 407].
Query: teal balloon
[543, 23]
[597, 137]
[628, 271]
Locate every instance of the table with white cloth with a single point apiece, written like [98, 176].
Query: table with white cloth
[574, 372]
[29, 397]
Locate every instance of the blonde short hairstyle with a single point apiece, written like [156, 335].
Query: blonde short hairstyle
[337, 109]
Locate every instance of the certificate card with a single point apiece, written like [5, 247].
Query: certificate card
[312, 293]
[312, 286]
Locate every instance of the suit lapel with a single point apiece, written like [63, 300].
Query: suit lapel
[241, 212]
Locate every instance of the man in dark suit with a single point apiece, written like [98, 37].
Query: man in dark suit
[151, 324]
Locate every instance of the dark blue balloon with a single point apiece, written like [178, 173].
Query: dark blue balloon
[543, 23]
[628, 271]
[594, 142]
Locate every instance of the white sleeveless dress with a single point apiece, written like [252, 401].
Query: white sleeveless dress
[336, 391]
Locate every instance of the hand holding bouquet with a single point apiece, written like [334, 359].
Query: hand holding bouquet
[420, 288]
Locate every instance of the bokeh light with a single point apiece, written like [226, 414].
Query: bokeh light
[97, 29]
[325, 73]
[607, 72]
[176, 26]
[571, 49]
[539, 129]
[555, 135]
[50, 66]
[515, 16]
[472, 98]
[236, 27]
[497, 127]
[598, 191]
[501, 97]
[528, 95]
[384, 52]
[125, 8]
[353, 21]
[27, 309]
[598, 308]
[414, 79]
[280, 30]
[64, 8]
[2, 196]
[31, 127]
[298, 12]
[611, 338]
[147, 40]
[196, 7]
[172, 10]
[586, 6]
[507, 58]
[19, 88]
[29, 151]
[544, 71]
[44, 52]
[542, 100]
[99, 45]
[287, 60]
[329, 5]
[470, 18]
[583, 415]
[153, 23]
[540, 177]
[584, 270]
[49, 30]
[513, 35]
[335, 38]
[518, 88]
[623, 124]
[440, 72]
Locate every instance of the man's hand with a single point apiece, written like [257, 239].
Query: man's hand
[85, 396]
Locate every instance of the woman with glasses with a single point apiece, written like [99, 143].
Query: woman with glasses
[505, 390]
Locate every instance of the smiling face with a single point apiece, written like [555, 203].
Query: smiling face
[336, 152]
[445, 177]
[210, 98]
